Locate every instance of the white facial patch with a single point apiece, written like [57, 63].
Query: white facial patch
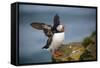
[59, 28]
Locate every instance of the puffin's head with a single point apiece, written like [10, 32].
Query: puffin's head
[60, 28]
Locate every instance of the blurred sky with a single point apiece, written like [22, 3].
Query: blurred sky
[78, 22]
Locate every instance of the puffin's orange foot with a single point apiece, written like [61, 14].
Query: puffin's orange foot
[57, 53]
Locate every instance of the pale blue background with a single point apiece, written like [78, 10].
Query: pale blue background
[78, 22]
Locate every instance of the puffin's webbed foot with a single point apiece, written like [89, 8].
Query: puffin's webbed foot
[57, 53]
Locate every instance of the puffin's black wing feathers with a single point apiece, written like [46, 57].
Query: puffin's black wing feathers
[41, 26]
[56, 22]
[48, 43]
[47, 29]
[37, 25]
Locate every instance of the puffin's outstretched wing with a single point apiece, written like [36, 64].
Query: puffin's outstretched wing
[47, 31]
[48, 43]
[41, 26]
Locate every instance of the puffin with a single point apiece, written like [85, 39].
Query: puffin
[55, 33]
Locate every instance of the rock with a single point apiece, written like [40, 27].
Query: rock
[70, 52]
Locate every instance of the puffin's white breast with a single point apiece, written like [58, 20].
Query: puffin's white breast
[57, 40]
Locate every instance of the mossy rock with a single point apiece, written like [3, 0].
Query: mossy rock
[86, 56]
[69, 53]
